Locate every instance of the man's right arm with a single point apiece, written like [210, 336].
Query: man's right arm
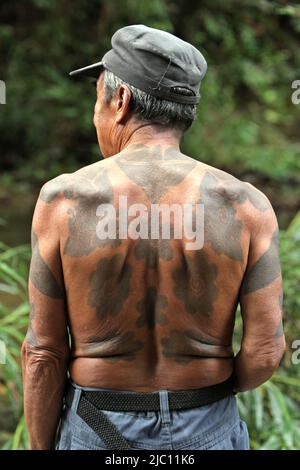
[263, 341]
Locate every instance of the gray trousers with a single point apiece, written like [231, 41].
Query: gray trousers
[214, 427]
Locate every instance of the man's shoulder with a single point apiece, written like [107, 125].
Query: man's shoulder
[70, 185]
[55, 187]
[236, 190]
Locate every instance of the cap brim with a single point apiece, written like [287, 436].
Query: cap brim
[92, 70]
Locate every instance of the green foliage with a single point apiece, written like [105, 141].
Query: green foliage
[14, 311]
[290, 261]
[246, 117]
[272, 416]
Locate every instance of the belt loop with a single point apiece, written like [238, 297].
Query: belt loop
[164, 406]
[76, 398]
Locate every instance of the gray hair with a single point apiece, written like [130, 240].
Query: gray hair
[150, 109]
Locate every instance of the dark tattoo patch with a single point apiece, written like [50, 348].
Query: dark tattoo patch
[89, 194]
[151, 251]
[53, 189]
[239, 191]
[154, 169]
[220, 193]
[114, 346]
[265, 270]
[194, 283]
[186, 346]
[222, 230]
[40, 274]
[110, 286]
[151, 309]
[90, 188]
[256, 199]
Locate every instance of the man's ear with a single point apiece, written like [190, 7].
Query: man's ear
[123, 97]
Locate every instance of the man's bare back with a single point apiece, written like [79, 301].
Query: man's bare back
[147, 314]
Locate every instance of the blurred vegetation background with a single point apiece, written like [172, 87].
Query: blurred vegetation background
[247, 126]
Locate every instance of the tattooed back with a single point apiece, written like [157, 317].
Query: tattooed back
[144, 312]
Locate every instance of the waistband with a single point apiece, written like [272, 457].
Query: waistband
[114, 400]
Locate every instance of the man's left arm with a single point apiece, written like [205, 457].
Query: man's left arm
[45, 351]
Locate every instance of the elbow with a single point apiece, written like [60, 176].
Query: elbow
[280, 347]
[32, 354]
[257, 361]
[266, 356]
[271, 361]
[271, 358]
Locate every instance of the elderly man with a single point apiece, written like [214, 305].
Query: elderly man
[130, 338]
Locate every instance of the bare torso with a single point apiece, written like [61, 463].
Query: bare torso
[146, 314]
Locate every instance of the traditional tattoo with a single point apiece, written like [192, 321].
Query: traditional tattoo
[151, 309]
[186, 346]
[110, 286]
[222, 230]
[194, 283]
[89, 195]
[41, 275]
[89, 189]
[260, 203]
[154, 169]
[239, 191]
[151, 251]
[220, 193]
[265, 270]
[114, 346]
[53, 188]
